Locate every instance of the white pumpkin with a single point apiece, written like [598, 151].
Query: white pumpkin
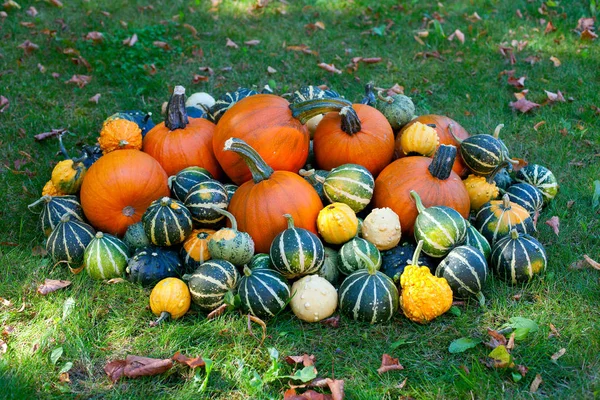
[313, 298]
[382, 228]
[312, 123]
[200, 100]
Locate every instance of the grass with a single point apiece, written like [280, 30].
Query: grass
[111, 321]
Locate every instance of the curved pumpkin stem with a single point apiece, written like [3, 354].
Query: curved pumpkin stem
[387, 99]
[371, 267]
[451, 130]
[228, 215]
[45, 198]
[514, 234]
[290, 221]
[417, 254]
[258, 167]
[62, 148]
[176, 115]
[247, 271]
[305, 110]
[417, 198]
[163, 316]
[443, 160]
[369, 98]
[497, 131]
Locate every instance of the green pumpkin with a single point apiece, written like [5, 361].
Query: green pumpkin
[263, 292]
[466, 271]
[351, 184]
[497, 218]
[352, 256]
[226, 101]
[203, 199]
[68, 241]
[398, 109]
[185, 179]
[167, 222]
[483, 154]
[105, 257]
[394, 260]
[518, 257]
[296, 252]
[330, 267]
[230, 244]
[151, 264]
[309, 92]
[540, 177]
[260, 260]
[54, 208]
[477, 240]
[527, 196]
[135, 236]
[211, 282]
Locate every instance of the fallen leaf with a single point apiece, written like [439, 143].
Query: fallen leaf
[518, 83]
[521, 369]
[496, 339]
[549, 28]
[56, 3]
[558, 354]
[536, 383]
[199, 78]
[3, 347]
[163, 45]
[591, 262]
[8, 330]
[555, 61]
[190, 28]
[64, 377]
[130, 41]
[389, 364]
[458, 35]
[50, 285]
[519, 44]
[115, 280]
[533, 59]
[94, 98]
[584, 24]
[253, 42]
[336, 386]
[554, 223]
[329, 68]
[419, 40]
[508, 53]
[27, 24]
[231, 43]
[462, 344]
[333, 322]
[402, 384]
[217, 312]
[291, 394]
[80, 80]
[252, 318]
[523, 105]
[536, 126]
[271, 70]
[53, 132]
[105, 13]
[41, 68]
[588, 35]
[4, 104]
[96, 37]
[28, 46]
[553, 332]
[137, 366]
[517, 296]
[371, 60]
[115, 369]
[474, 17]
[501, 357]
[511, 342]
[11, 5]
[305, 359]
[150, 69]
[190, 362]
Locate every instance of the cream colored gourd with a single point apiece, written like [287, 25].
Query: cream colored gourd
[382, 228]
[313, 298]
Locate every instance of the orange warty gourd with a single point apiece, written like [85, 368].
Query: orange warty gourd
[441, 123]
[119, 187]
[265, 122]
[180, 142]
[259, 203]
[433, 179]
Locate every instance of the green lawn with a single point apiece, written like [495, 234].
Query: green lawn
[464, 81]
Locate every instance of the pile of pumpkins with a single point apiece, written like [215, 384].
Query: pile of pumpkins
[363, 206]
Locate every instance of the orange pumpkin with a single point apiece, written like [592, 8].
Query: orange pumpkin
[348, 134]
[119, 134]
[259, 203]
[119, 187]
[433, 179]
[265, 122]
[180, 142]
[445, 137]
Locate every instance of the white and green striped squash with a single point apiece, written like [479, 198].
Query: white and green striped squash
[105, 257]
[329, 269]
[296, 251]
[527, 196]
[466, 271]
[540, 177]
[167, 222]
[518, 257]
[260, 260]
[230, 188]
[353, 253]
[230, 244]
[53, 209]
[497, 218]
[483, 153]
[202, 200]
[135, 236]
[351, 184]
[68, 241]
[181, 183]
[263, 292]
[477, 240]
[316, 178]
[211, 282]
[441, 228]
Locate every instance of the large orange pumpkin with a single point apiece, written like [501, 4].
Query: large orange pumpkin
[348, 134]
[265, 122]
[441, 123]
[433, 179]
[119, 187]
[180, 142]
[259, 204]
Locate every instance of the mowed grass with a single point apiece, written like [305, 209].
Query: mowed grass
[110, 321]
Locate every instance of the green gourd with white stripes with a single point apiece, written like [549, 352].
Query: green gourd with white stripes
[329, 270]
[181, 183]
[260, 260]
[440, 228]
[211, 282]
[105, 257]
[263, 292]
[202, 200]
[540, 177]
[476, 239]
[351, 184]
[68, 241]
[527, 196]
[296, 251]
[497, 218]
[151, 264]
[466, 271]
[53, 209]
[230, 244]
[167, 222]
[352, 256]
[518, 257]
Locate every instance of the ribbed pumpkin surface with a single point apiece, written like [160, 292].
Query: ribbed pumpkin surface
[477, 240]
[351, 184]
[518, 257]
[54, 209]
[167, 222]
[263, 292]
[497, 218]
[202, 197]
[527, 196]
[68, 241]
[482, 153]
[441, 228]
[152, 264]
[211, 281]
[106, 257]
[466, 271]
[352, 253]
[185, 179]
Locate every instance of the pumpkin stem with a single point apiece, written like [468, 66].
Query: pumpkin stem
[247, 271]
[514, 234]
[147, 117]
[45, 198]
[481, 299]
[305, 110]
[443, 160]
[370, 265]
[417, 198]
[417, 254]
[290, 220]
[176, 115]
[99, 235]
[227, 214]
[387, 99]
[451, 130]
[186, 277]
[163, 315]
[497, 131]
[258, 167]
[369, 98]
[62, 148]
[506, 202]
[170, 181]
[164, 201]
[123, 143]
[350, 122]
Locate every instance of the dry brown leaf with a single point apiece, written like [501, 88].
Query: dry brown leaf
[94, 98]
[555, 61]
[496, 339]
[130, 41]
[28, 46]
[50, 285]
[474, 17]
[56, 3]
[27, 24]
[536, 383]
[190, 28]
[207, 69]
[371, 60]
[8, 330]
[53, 132]
[115, 369]
[303, 48]
[523, 105]
[190, 362]
[252, 318]
[97, 37]
[419, 40]
[558, 354]
[291, 394]
[591, 262]
[588, 35]
[553, 332]
[163, 45]
[252, 42]
[80, 80]
[458, 35]
[4, 104]
[305, 359]
[231, 43]
[508, 53]
[536, 126]
[105, 13]
[199, 78]
[3, 347]
[271, 70]
[337, 388]
[41, 68]
[554, 223]
[217, 312]
[549, 28]
[64, 377]
[137, 366]
[553, 97]
[519, 83]
[533, 59]
[150, 69]
[570, 203]
[584, 24]
[522, 369]
[329, 68]
[333, 322]
[511, 342]
[389, 364]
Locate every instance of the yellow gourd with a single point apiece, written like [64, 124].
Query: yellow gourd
[67, 176]
[419, 139]
[337, 223]
[170, 298]
[118, 134]
[424, 297]
[51, 190]
[481, 190]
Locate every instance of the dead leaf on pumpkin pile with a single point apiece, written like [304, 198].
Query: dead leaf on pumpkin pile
[51, 285]
[523, 105]
[389, 363]
[554, 223]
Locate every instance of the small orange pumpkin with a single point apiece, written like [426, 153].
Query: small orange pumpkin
[170, 298]
[119, 134]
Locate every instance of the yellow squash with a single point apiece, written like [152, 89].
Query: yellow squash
[67, 176]
[170, 298]
[337, 223]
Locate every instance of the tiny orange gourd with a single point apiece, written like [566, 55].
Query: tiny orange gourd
[170, 298]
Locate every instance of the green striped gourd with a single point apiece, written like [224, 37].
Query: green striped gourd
[483, 153]
[330, 267]
[396, 259]
[105, 257]
[440, 228]
[540, 177]
[194, 251]
[211, 282]
[503, 179]
[466, 270]
[68, 241]
[152, 264]
[527, 196]
[368, 295]
[135, 236]
[226, 101]
[351, 184]
[296, 251]
[202, 200]
[181, 183]
[230, 244]
[518, 257]
[167, 222]
[308, 92]
[263, 292]
[316, 177]
[498, 217]
[477, 240]
[54, 208]
[230, 188]
[260, 260]
[353, 253]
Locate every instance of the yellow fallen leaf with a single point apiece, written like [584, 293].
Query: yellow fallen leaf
[556, 61]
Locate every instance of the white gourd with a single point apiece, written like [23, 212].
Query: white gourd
[313, 298]
[382, 228]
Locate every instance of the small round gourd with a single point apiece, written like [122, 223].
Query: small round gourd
[200, 100]
[419, 139]
[329, 269]
[395, 260]
[483, 153]
[466, 271]
[382, 228]
[54, 208]
[337, 223]
[497, 218]
[105, 257]
[260, 260]
[230, 244]
[398, 109]
[351, 184]
[540, 177]
[68, 241]
[353, 254]
[170, 298]
[118, 134]
[152, 264]
[296, 252]
[194, 251]
[67, 176]
[527, 196]
[475, 239]
[502, 178]
[313, 298]
[263, 292]
[481, 190]
[518, 257]
[135, 236]
[181, 183]
[167, 222]
[204, 199]
[210, 283]
[142, 119]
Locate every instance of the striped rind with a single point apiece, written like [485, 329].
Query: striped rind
[151, 264]
[465, 269]
[350, 256]
[329, 269]
[56, 208]
[540, 177]
[482, 153]
[260, 260]
[351, 184]
[167, 222]
[369, 298]
[264, 293]
[495, 222]
[307, 93]
[441, 228]
[211, 281]
[297, 252]
[106, 257]
[518, 260]
[202, 197]
[230, 188]
[527, 196]
[194, 251]
[187, 178]
[477, 240]
[234, 246]
[226, 101]
[68, 241]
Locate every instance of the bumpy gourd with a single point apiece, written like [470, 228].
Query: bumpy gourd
[67, 176]
[118, 134]
[481, 190]
[424, 297]
[51, 190]
[313, 298]
[382, 228]
[337, 223]
[419, 139]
